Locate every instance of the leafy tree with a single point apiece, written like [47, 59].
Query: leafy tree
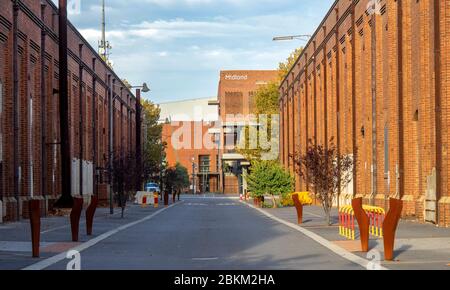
[268, 177]
[176, 179]
[285, 67]
[267, 104]
[325, 171]
[124, 177]
[153, 147]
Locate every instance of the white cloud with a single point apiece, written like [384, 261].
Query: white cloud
[181, 56]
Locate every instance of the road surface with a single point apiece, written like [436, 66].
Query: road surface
[209, 234]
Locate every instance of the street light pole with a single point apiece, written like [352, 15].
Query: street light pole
[138, 140]
[193, 175]
[145, 89]
[292, 37]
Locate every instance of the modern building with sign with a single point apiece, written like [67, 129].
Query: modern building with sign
[236, 104]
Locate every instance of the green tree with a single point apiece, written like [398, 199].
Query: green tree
[267, 104]
[268, 177]
[176, 178]
[153, 146]
[326, 171]
[285, 67]
[124, 177]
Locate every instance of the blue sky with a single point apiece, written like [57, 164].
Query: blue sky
[179, 46]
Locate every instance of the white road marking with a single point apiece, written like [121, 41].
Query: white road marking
[205, 259]
[324, 242]
[211, 197]
[53, 229]
[313, 214]
[62, 256]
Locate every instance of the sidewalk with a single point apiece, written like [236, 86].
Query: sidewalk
[15, 238]
[418, 246]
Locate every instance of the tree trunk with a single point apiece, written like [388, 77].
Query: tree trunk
[274, 201]
[328, 215]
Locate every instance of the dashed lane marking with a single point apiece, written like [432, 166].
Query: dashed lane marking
[205, 259]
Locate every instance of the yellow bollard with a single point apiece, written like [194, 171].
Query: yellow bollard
[156, 197]
[353, 224]
[383, 215]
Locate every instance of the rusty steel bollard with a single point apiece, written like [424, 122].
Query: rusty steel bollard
[390, 227]
[299, 208]
[363, 223]
[75, 216]
[35, 222]
[90, 213]
[166, 199]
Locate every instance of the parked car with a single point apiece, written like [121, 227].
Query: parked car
[152, 187]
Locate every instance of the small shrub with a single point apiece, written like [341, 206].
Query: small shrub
[287, 200]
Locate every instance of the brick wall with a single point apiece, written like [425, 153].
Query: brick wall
[33, 129]
[379, 85]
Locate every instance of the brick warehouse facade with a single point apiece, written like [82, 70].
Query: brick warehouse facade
[379, 83]
[36, 37]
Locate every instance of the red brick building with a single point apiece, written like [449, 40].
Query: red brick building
[237, 103]
[29, 39]
[191, 144]
[378, 81]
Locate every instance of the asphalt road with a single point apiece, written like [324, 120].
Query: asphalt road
[209, 234]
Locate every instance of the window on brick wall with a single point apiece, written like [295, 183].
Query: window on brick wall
[217, 164]
[234, 103]
[205, 162]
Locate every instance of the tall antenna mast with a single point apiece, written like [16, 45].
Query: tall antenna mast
[103, 23]
[104, 46]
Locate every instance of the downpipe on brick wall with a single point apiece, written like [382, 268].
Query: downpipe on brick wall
[438, 113]
[66, 199]
[81, 123]
[374, 111]
[94, 128]
[399, 170]
[110, 153]
[43, 114]
[16, 107]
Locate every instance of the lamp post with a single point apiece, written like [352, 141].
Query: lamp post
[304, 37]
[193, 175]
[145, 89]
[112, 98]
